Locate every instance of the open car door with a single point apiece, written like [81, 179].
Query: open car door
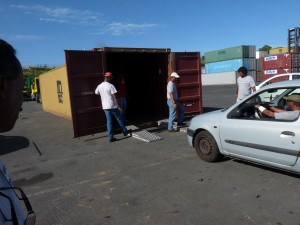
[85, 71]
[189, 86]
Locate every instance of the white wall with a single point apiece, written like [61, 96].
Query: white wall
[218, 78]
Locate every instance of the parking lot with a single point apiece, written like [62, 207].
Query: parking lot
[90, 181]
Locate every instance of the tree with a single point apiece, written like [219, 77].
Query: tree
[265, 48]
[35, 70]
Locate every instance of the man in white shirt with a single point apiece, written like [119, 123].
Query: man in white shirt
[173, 103]
[245, 84]
[110, 105]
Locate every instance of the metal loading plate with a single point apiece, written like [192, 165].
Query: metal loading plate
[143, 134]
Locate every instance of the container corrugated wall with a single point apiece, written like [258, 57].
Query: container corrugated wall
[276, 61]
[278, 50]
[55, 92]
[242, 51]
[230, 65]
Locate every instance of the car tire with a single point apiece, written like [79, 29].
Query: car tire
[206, 147]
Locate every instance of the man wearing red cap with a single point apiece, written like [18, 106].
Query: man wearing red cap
[110, 105]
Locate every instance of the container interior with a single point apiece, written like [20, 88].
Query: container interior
[145, 76]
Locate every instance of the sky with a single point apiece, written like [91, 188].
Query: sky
[40, 30]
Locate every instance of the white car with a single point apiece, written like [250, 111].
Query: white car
[274, 79]
[241, 131]
[11, 209]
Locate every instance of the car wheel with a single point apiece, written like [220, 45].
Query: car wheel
[206, 147]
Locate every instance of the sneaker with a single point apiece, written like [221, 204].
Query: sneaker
[172, 131]
[181, 124]
[112, 140]
[128, 133]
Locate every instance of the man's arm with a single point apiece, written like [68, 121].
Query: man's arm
[274, 109]
[265, 111]
[269, 112]
[172, 98]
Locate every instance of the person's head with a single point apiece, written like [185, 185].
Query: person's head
[293, 101]
[11, 86]
[242, 71]
[108, 76]
[174, 76]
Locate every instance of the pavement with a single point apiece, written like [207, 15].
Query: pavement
[91, 181]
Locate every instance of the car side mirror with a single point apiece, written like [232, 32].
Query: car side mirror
[235, 113]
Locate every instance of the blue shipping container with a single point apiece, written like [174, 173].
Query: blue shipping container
[230, 65]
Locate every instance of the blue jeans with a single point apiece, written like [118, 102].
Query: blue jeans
[114, 112]
[172, 113]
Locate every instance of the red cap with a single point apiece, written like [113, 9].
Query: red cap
[107, 74]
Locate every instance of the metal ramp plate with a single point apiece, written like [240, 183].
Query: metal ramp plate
[143, 134]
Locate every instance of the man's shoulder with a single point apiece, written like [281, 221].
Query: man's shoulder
[105, 84]
[249, 77]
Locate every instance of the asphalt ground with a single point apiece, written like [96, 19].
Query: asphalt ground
[90, 181]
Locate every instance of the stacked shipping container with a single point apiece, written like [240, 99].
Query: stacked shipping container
[277, 64]
[230, 59]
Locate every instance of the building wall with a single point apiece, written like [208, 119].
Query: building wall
[219, 78]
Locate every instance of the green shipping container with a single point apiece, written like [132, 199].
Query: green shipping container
[238, 52]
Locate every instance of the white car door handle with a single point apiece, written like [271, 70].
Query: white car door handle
[289, 133]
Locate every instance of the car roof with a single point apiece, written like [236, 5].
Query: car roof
[288, 83]
[275, 76]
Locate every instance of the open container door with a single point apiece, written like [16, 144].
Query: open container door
[189, 86]
[85, 71]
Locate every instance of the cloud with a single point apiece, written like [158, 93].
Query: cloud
[20, 37]
[59, 14]
[83, 17]
[117, 29]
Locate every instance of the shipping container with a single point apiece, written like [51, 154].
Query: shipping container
[267, 73]
[230, 65]
[258, 65]
[238, 52]
[146, 73]
[55, 92]
[260, 54]
[276, 61]
[258, 76]
[275, 51]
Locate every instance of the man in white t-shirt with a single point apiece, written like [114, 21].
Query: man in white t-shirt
[245, 84]
[110, 105]
[293, 103]
[173, 103]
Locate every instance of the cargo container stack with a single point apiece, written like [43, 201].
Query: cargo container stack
[230, 59]
[259, 54]
[279, 63]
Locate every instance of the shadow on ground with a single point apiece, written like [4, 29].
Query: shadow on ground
[10, 144]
